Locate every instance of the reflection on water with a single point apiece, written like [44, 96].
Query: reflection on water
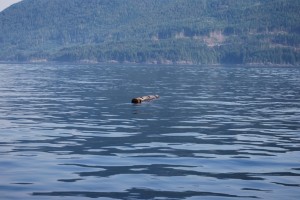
[216, 132]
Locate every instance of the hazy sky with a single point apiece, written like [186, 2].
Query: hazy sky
[5, 3]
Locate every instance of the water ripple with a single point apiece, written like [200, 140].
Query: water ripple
[216, 132]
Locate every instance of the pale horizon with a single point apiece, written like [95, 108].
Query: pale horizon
[6, 3]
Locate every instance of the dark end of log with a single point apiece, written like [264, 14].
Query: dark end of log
[136, 100]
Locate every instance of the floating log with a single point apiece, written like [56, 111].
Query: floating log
[144, 98]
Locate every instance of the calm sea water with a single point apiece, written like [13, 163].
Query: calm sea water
[221, 132]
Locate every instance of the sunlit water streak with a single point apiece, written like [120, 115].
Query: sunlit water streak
[217, 132]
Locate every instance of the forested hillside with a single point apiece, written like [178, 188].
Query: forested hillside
[152, 31]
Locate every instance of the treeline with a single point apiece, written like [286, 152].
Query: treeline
[185, 53]
[170, 52]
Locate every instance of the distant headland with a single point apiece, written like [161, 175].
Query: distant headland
[181, 32]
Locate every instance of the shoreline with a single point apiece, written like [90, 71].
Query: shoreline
[154, 63]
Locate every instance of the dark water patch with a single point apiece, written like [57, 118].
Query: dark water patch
[288, 185]
[255, 189]
[140, 193]
[69, 180]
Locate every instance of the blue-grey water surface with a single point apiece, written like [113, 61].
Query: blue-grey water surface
[217, 132]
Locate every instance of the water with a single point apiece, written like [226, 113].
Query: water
[218, 132]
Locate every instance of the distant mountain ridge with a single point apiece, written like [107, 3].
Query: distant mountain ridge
[152, 31]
